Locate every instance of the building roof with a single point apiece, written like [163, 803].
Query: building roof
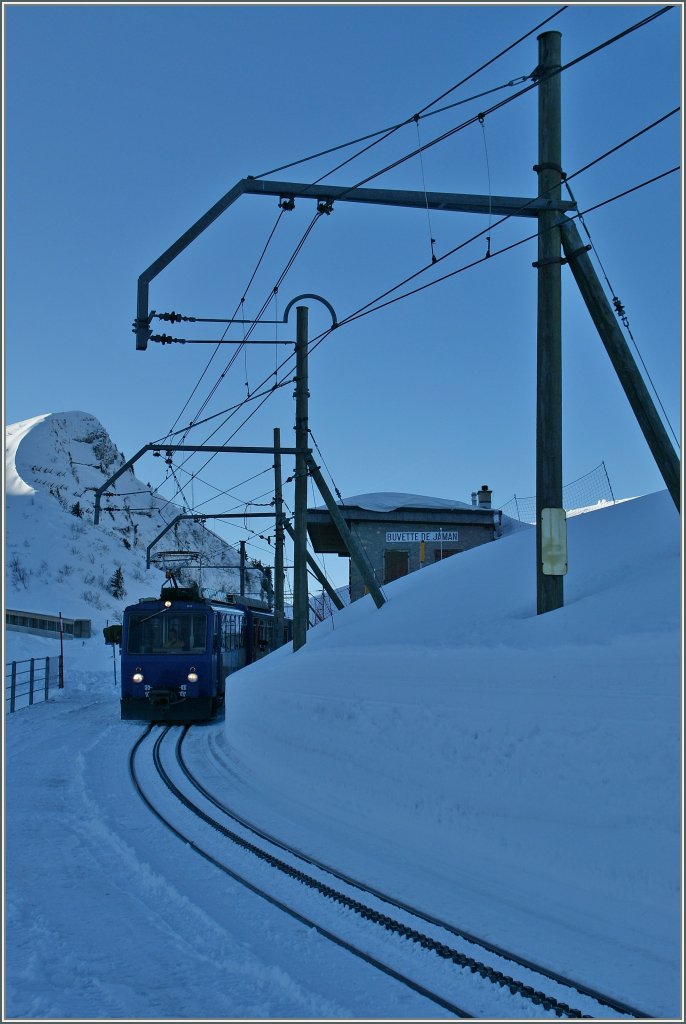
[391, 507]
[389, 501]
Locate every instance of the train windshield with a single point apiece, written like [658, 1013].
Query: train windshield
[167, 632]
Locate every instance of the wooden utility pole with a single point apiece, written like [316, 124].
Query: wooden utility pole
[278, 544]
[549, 589]
[317, 571]
[242, 569]
[621, 358]
[300, 597]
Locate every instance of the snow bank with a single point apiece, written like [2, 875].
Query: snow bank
[517, 773]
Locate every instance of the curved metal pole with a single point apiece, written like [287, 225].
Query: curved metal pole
[310, 295]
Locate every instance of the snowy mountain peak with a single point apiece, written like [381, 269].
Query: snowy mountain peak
[67, 454]
[54, 464]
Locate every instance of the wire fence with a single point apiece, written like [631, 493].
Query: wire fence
[593, 488]
[30, 680]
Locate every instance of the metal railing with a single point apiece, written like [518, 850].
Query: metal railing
[30, 680]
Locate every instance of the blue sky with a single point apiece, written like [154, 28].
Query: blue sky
[125, 123]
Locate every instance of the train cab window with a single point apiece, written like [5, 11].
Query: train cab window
[161, 633]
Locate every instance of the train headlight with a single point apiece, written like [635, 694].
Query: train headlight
[192, 676]
[137, 676]
[167, 604]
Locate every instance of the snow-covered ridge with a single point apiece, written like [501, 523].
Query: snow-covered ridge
[15, 434]
[57, 559]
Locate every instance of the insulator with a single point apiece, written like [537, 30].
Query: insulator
[618, 306]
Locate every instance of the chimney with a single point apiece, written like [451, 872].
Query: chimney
[474, 498]
[484, 496]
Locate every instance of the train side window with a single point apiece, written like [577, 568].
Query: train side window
[232, 642]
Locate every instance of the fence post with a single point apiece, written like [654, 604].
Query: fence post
[13, 687]
[61, 663]
[31, 677]
[47, 677]
[607, 477]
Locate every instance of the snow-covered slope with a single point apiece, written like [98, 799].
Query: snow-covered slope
[57, 560]
[516, 774]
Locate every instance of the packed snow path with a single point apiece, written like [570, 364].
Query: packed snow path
[109, 915]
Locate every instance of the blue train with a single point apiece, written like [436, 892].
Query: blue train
[176, 653]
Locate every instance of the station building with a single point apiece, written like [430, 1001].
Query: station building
[46, 624]
[401, 533]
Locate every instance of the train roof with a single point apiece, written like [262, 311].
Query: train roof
[185, 605]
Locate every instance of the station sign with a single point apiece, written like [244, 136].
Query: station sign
[419, 536]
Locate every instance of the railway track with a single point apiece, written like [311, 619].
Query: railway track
[446, 965]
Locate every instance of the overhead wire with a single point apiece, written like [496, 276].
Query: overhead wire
[581, 170]
[372, 306]
[476, 262]
[245, 292]
[571, 63]
[275, 289]
[483, 259]
[390, 129]
[229, 491]
[445, 256]
[242, 346]
[508, 216]
[273, 292]
[420, 149]
[221, 493]
[432, 240]
[490, 191]
[387, 132]
[510, 99]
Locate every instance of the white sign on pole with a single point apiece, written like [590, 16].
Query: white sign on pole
[416, 537]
